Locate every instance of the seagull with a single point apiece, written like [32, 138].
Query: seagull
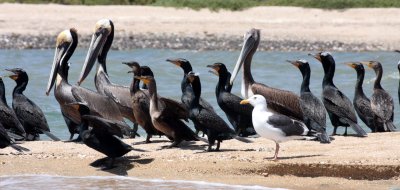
[276, 127]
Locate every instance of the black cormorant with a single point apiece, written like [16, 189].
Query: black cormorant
[103, 135]
[361, 102]
[186, 90]
[166, 115]
[29, 114]
[214, 126]
[276, 127]
[313, 110]
[339, 107]
[281, 101]
[141, 101]
[238, 115]
[8, 118]
[381, 101]
[6, 141]
[99, 47]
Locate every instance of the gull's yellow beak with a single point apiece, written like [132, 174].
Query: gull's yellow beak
[244, 102]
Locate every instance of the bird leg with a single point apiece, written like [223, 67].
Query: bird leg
[276, 152]
[148, 138]
[334, 130]
[218, 145]
[134, 131]
[345, 132]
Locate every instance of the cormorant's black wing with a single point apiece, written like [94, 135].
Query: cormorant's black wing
[338, 103]
[232, 102]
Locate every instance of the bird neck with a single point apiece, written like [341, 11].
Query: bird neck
[186, 70]
[222, 84]
[305, 85]
[359, 83]
[2, 92]
[377, 84]
[153, 95]
[247, 77]
[21, 86]
[196, 86]
[329, 70]
[260, 108]
[134, 87]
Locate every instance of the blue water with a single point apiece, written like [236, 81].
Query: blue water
[269, 68]
[111, 182]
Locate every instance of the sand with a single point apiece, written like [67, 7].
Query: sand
[346, 163]
[371, 26]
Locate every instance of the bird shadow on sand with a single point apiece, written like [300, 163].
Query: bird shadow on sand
[294, 157]
[121, 165]
[152, 142]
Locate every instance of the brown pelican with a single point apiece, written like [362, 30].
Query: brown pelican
[99, 47]
[166, 115]
[66, 93]
[281, 101]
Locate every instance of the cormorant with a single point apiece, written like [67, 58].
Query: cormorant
[102, 135]
[141, 101]
[98, 49]
[186, 90]
[29, 114]
[65, 93]
[238, 115]
[281, 101]
[381, 101]
[166, 115]
[276, 127]
[6, 141]
[313, 110]
[215, 127]
[339, 107]
[8, 118]
[361, 102]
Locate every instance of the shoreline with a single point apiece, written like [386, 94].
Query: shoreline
[282, 28]
[348, 162]
[198, 43]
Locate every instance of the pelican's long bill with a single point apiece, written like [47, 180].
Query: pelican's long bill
[64, 42]
[249, 42]
[99, 38]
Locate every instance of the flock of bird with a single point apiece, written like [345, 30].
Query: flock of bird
[97, 117]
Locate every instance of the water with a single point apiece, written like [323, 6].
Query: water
[114, 182]
[269, 68]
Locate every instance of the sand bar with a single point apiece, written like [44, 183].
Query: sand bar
[346, 163]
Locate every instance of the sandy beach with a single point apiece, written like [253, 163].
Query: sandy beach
[346, 163]
[374, 29]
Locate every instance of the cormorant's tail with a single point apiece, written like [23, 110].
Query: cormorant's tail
[19, 148]
[241, 139]
[15, 136]
[360, 132]
[390, 126]
[53, 137]
[324, 138]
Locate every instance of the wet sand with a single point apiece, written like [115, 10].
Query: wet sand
[346, 163]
